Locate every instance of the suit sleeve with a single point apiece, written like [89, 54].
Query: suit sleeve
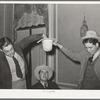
[75, 56]
[30, 39]
[56, 86]
[3, 82]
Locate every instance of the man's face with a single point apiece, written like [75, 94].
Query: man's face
[9, 50]
[43, 75]
[91, 48]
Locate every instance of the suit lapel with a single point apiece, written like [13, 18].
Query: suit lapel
[83, 67]
[97, 67]
[41, 86]
[6, 61]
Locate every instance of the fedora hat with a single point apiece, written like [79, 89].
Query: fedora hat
[91, 34]
[43, 67]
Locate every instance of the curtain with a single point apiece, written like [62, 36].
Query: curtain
[27, 15]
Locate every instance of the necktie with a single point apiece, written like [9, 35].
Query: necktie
[18, 70]
[45, 85]
[90, 59]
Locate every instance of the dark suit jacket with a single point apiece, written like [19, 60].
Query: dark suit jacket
[82, 57]
[51, 85]
[5, 73]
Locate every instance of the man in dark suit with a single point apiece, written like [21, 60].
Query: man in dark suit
[43, 74]
[89, 77]
[13, 67]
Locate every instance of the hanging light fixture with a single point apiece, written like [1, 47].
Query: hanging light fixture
[84, 28]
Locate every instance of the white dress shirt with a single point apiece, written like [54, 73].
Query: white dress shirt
[13, 68]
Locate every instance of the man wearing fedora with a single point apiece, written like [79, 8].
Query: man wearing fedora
[90, 60]
[43, 74]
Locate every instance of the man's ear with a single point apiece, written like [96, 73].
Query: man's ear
[97, 44]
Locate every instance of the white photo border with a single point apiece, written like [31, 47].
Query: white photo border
[49, 94]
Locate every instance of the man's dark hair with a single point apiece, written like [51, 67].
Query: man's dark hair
[5, 41]
[91, 40]
[39, 72]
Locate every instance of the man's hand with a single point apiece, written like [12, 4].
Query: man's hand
[55, 43]
[44, 36]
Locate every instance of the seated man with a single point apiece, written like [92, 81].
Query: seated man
[43, 74]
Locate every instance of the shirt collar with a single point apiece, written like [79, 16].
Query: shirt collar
[96, 55]
[44, 83]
